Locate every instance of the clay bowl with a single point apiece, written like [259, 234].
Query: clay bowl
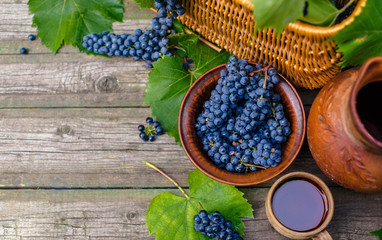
[192, 106]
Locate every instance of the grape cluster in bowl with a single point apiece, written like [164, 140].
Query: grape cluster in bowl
[243, 123]
[148, 45]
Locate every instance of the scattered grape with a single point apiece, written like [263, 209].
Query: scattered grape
[32, 37]
[23, 51]
[148, 133]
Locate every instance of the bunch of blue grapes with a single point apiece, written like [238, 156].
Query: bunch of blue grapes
[147, 45]
[153, 129]
[215, 226]
[243, 123]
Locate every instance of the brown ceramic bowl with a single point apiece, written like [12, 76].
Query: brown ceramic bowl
[192, 106]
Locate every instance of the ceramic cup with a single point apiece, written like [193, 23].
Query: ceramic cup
[319, 232]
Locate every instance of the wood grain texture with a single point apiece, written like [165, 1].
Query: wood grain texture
[92, 147]
[119, 214]
[70, 80]
[16, 22]
[70, 121]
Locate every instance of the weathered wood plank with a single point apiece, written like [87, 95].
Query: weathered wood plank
[16, 22]
[71, 80]
[119, 214]
[91, 147]
[76, 80]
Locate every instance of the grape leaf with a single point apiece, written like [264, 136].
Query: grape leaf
[68, 21]
[171, 217]
[145, 3]
[320, 13]
[362, 39]
[169, 81]
[277, 13]
[378, 233]
[178, 26]
[184, 40]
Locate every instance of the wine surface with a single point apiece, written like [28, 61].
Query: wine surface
[299, 205]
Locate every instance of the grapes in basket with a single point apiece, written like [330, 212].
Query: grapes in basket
[242, 125]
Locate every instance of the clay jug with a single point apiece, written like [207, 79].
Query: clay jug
[345, 128]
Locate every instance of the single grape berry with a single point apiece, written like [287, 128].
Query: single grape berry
[143, 136]
[32, 37]
[151, 138]
[158, 130]
[149, 120]
[23, 51]
[215, 226]
[156, 124]
[141, 128]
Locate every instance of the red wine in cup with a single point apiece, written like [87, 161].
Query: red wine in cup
[300, 205]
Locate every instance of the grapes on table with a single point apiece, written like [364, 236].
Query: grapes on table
[243, 123]
[215, 226]
[23, 51]
[147, 45]
[31, 37]
[153, 129]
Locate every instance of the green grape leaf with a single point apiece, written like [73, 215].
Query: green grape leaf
[68, 21]
[362, 39]
[185, 41]
[378, 233]
[320, 13]
[145, 3]
[178, 26]
[169, 81]
[171, 217]
[277, 13]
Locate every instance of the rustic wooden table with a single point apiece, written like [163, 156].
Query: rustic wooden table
[71, 161]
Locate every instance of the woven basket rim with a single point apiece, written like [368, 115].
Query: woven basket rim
[307, 28]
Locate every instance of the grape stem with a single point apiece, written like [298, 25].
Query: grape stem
[177, 47]
[188, 31]
[200, 204]
[150, 130]
[274, 114]
[266, 76]
[169, 178]
[260, 69]
[265, 69]
[252, 165]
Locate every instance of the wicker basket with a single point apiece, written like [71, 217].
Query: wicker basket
[301, 52]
